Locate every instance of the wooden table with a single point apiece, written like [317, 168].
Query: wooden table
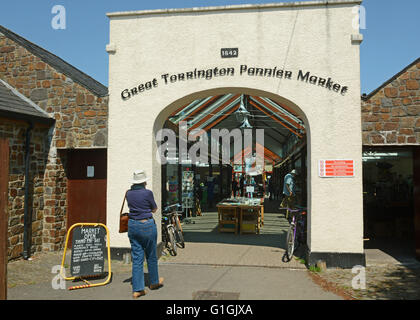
[228, 218]
[240, 216]
[250, 218]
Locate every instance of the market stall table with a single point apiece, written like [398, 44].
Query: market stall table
[243, 215]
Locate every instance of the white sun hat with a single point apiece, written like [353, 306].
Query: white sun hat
[139, 176]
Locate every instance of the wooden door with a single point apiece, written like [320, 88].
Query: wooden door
[86, 186]
[4, 191]
[416, 180]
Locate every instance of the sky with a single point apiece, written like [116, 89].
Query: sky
[391, 38]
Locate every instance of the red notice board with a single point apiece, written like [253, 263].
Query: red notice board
[336, 168]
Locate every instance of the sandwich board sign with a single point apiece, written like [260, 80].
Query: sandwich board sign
[90, 244]
[88, 251]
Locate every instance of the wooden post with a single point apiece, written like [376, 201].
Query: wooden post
[416, 180]
[220, 182]
[4, 187]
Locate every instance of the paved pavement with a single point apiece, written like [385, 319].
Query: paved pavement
[213, 266]
[390, 252]
[186, 282]
[206, 246]
[219, 266]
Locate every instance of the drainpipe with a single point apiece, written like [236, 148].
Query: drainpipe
[27, 222]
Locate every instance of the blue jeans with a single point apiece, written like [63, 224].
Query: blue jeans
[143, 239]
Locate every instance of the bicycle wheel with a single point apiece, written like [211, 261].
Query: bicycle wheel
[290, 242]
[179, 237]
[171, 241]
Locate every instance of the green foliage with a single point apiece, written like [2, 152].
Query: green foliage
[314, 268]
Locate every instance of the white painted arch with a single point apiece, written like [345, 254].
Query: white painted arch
[166, 112]
[313, 37]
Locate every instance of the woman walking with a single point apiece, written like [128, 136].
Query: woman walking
[142, 233]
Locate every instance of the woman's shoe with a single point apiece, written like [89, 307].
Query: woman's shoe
[138, 294]
[158, 285]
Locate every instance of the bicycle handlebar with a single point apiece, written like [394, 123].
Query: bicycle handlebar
[173, 205]
[171, 208]
[299, 210]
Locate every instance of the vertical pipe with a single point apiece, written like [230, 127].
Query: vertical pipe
[27, 217]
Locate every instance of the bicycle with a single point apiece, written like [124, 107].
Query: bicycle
[168, 234]
[174, 212]
[296, 235]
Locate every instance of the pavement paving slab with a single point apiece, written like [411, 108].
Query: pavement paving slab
[220, 266]
[184, 282]
[212, 266]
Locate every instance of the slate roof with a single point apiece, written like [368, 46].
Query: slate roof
[15, 105]
[59, 64]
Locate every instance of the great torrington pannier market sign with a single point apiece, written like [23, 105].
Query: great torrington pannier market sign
[244, 70]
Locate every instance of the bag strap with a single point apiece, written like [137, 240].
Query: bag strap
[122, 207]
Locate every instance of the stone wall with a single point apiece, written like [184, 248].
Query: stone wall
[81, 122]
[15, 132]
[392, 114]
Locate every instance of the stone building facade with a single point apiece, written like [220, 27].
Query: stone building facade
[15, 132]
[79, 105]
[391, 113]
[391, 126]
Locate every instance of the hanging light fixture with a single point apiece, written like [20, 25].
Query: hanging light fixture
[242, 113]
[245, 124]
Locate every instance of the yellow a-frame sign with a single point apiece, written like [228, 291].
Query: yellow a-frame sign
[89, 236]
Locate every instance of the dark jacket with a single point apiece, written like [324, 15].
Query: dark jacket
[141, 202]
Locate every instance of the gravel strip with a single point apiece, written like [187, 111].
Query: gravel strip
[383, 282]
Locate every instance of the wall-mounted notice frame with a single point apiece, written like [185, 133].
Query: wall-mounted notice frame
[336, 168]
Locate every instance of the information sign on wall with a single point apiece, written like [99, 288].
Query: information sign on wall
[336, 168]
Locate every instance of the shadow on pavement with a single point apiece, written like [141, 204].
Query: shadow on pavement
[402, 250]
